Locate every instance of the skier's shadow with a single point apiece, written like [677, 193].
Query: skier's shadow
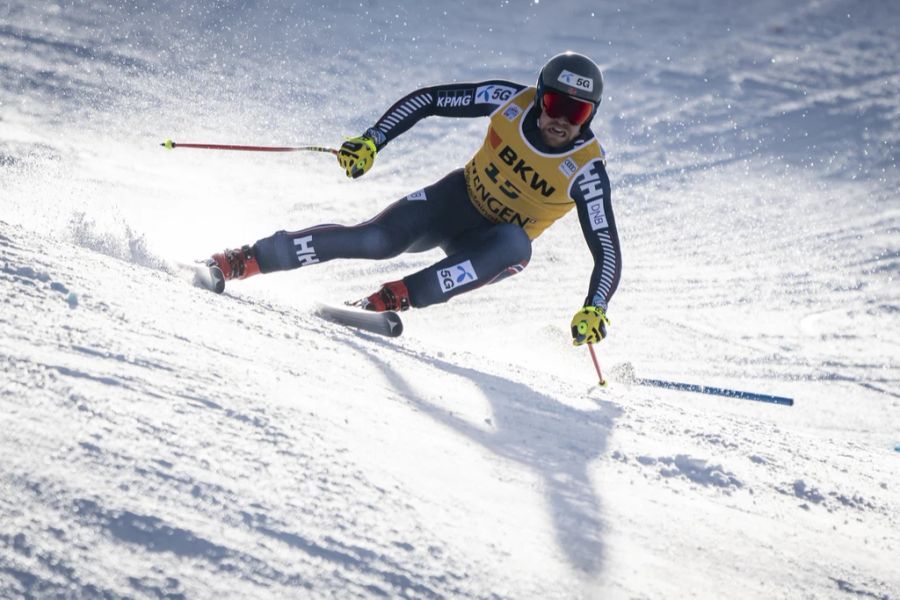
[532, 429]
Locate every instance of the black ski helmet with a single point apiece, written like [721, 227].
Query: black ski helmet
[572, 74]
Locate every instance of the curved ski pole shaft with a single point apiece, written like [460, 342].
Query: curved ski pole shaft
[602, 382]
[172, 145]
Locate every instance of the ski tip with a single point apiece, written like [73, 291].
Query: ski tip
[207, 277]
[382, 323]
[394, 323]
[218, 279]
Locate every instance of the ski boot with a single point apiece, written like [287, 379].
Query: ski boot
[235, 264]
[230, 264]
[392, 296]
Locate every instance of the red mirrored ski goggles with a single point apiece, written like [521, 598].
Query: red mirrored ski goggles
[557, 105]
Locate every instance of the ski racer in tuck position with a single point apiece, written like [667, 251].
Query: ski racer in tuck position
[539, 159]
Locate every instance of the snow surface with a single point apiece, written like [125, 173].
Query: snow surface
[159, 441]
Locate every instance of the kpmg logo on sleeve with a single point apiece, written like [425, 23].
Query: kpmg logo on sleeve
[457, 275]
[453, 98]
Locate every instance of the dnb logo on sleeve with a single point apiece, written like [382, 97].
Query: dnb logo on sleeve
[457, 275]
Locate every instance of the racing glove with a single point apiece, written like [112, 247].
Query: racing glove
[357, 155]
[589, 325]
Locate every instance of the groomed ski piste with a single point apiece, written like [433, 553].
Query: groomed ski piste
[161, 441]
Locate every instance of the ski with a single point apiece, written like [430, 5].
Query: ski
[204, 276]
[210, 277]
[381, 323]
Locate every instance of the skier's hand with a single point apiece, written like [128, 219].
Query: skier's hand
[357, 155]
[589, 325]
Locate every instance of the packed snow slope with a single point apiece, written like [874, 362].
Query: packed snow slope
[159, 441]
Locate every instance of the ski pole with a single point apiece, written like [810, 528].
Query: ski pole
[172, 145]
[602, 381]
[715, 391]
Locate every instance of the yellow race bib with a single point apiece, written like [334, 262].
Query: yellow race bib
[510, 181]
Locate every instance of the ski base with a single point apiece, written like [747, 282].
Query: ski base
[381, 323]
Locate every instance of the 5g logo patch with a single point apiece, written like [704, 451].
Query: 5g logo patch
[457, 275]
[493, 94]
[577, 81]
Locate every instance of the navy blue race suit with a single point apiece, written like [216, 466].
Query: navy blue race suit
[442, 215]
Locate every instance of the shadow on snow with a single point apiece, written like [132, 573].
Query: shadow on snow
[534, 430]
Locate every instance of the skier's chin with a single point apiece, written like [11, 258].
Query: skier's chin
[555, 139]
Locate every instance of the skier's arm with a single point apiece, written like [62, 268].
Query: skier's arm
[357, 155]
[451, 100]
[591, 192]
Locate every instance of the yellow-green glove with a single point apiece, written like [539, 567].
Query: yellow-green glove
[589, 325]
[357, 155]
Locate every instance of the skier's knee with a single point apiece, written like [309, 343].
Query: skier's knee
[379, 244]
[515, 241]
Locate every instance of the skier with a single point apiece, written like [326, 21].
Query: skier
[538, 160]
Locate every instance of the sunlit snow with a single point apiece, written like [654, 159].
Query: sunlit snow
[159, 441]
